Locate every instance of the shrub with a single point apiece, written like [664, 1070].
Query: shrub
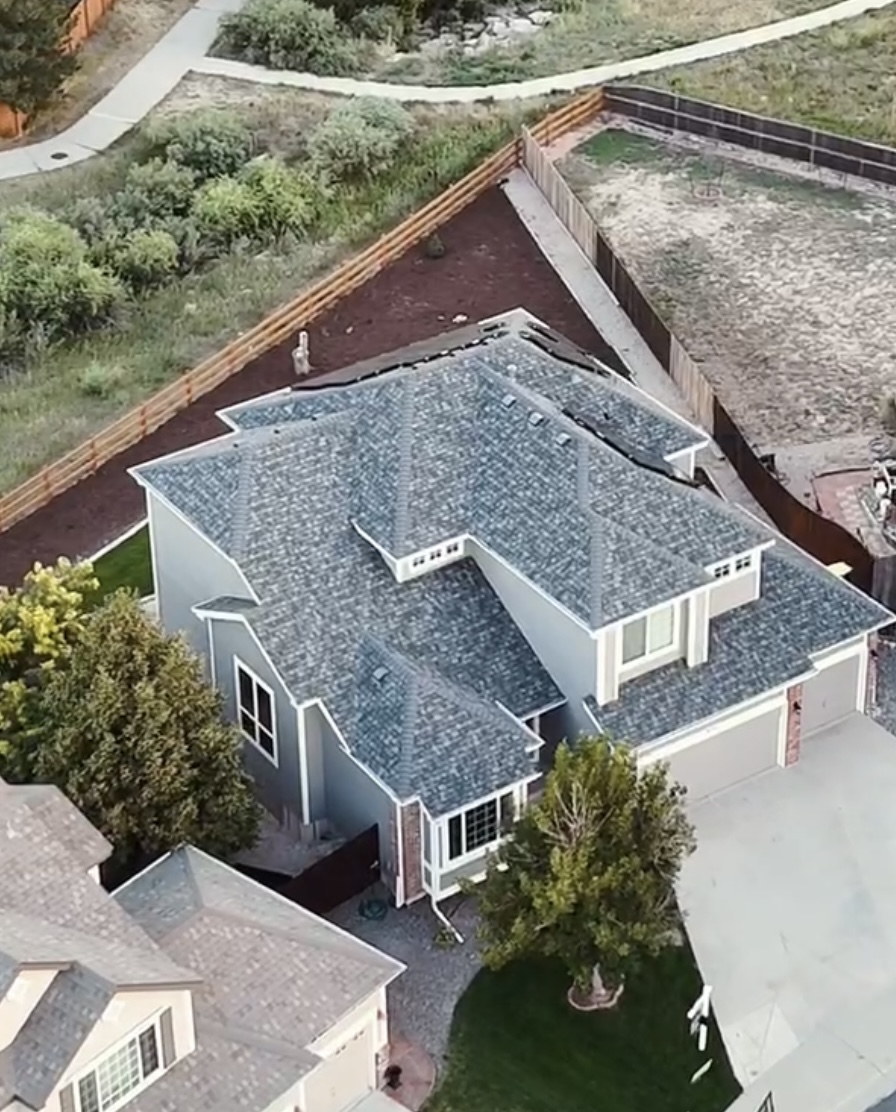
[32, 67]
[360, 139]
[226, 210]
[290, 34]
[286, 199]
[153, 191]
[91, 218]
[210, 144]
[381, 23]
[99, 381]
[144, 258]
[47, 279]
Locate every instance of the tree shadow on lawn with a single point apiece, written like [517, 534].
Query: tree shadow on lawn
[517, 1046]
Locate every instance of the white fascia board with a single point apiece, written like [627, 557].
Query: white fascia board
[240, 407]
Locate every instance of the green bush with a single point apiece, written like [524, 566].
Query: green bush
[380, 23]
[100, 381]
[292, 35]
[208, 143]
[91, 218]
[153, 191]
[144, 258]
[361, 139]
[48, 282]
[226, 210]
[288, 201]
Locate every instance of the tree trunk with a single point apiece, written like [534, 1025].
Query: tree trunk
[595, 996]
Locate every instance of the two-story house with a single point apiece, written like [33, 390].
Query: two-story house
[412, 578]
[189, 988]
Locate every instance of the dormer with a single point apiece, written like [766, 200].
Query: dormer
[737, 580]
[428, 559]
[21, 998]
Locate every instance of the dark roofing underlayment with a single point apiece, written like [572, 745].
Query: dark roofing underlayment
[477, 441]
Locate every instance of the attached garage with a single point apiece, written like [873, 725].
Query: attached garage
[344, 1076]
[832, 694]
[714, 761]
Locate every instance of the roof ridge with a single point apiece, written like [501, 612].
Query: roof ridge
[406, 437]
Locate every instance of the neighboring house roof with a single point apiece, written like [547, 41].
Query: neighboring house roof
[423, 736]
[275, 978]
[802, 610]
[53, 914]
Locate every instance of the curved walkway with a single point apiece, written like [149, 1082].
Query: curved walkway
[184, 48]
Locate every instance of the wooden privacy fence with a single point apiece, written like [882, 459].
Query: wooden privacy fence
[822, 149]
[85, 18]
[284, 322]
[824, 539]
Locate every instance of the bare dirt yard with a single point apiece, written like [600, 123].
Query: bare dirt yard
[781, 287]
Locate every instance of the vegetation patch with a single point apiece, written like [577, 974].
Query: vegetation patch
[839, 79]
[127, 565]
[118, 276]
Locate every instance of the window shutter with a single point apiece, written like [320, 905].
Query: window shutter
[166, 1026]
[67, 1099]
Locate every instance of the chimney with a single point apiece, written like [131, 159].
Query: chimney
[300, 362]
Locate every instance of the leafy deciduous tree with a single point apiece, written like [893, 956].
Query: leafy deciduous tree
[134, 737]
[588, 873]
[32, 63]
[39, 622]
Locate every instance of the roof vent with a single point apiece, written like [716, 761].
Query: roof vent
[512, 367]
[380, 674]
[508, 400]
[563, 438]
[536, 419]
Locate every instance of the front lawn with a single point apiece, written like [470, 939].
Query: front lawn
[126, 565]
[517, 1046]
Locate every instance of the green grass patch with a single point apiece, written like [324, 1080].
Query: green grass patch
[70, 391]
[127, 565]
[840, 79]
[589, 32]
[517, 1046]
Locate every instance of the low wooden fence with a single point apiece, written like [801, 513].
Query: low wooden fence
[810, 145]
[281, 324]
[824, 539]
[85, 18]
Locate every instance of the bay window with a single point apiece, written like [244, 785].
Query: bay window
[480, 826]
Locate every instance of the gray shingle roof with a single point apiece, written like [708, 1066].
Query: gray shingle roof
[276, 978]
[801, 610]
[398, 730]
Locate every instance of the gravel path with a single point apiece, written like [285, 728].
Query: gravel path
[422, 1000]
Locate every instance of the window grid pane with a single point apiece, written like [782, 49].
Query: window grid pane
[149, 1051]
[455, 841]
[661, 629]
[634, 640]
[118, 1074]
[88, 1098]
[481, 825]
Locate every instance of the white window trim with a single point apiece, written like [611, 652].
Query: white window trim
[437, 556]
[135, 1033]
[468, 856]
[240, 664]
[649, 654]
[731, 564]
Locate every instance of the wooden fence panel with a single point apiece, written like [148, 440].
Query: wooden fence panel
[692, 383]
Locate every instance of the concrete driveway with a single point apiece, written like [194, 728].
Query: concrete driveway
[790, 898]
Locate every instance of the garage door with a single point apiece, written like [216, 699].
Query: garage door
[342, 1078]
[831, 695]
[726, 758]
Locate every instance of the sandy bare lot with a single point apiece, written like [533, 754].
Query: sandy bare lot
[783, 288]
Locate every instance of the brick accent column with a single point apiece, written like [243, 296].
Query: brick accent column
[794, 723]
[412, 865]
[871, 684]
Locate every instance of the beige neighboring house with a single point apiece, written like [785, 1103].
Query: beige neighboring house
[190, 988]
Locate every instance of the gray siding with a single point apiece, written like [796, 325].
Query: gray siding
[188, 571]
[466, 871]
[566, 649]
[353, 800]
[737, 590]
[279, 788]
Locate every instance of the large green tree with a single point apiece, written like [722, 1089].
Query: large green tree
[33, 64]
[39, 623]
[133, 735]
[588, 872]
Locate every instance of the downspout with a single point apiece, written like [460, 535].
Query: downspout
[443, 918]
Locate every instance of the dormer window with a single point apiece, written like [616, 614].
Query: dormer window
[436, 554]
[650, 634]
[130, 1066]
[733, 567]
[744, 563]
[418, 561]
[452, 548]
[722, 571]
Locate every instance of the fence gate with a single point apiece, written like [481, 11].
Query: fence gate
[344, 873]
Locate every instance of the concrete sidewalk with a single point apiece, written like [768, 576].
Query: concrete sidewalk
[602, 309]
[133, 98]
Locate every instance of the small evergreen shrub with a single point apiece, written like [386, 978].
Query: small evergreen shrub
[379, 23]
[360, 139]
[292, 35]
[145, 258]
[286, 199]
[100, 381]
[226, 210]
[210, 144]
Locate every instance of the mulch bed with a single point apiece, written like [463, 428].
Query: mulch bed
[491, 265]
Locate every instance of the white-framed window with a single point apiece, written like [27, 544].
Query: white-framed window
[418, 561]
[480, 826]
[744, 563]
[115, 1077]
[452, 548]
[722, 571]
[649, 634]
[436, 554]
[255, 711]
[741, 564]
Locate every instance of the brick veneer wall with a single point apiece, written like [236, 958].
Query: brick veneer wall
[412, 864]
[794, 724]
